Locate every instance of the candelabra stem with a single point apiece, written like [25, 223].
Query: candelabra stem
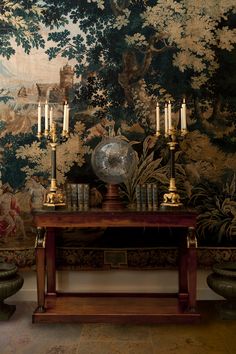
[53, 168]
[172, 162]
[55, 198]
[172, 198]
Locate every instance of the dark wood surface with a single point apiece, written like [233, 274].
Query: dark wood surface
[114, 309]
[55, 307]
[117, 218]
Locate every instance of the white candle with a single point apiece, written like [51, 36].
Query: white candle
[64, 116]
[169, 116]
[46, 115]
[157, 118]
[166, 119]
[39, 118]
[183, 116]
[67, 117]
[50, 117]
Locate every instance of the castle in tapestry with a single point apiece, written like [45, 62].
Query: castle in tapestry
[57, 92]
[51, 92]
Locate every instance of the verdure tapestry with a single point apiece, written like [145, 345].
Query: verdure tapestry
[111, 62]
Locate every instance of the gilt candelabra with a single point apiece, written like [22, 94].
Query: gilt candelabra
[55, 198]
[172, 134]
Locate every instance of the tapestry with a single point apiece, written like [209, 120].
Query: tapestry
[102, 67]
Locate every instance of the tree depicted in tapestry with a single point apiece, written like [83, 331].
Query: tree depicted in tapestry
[113, 60]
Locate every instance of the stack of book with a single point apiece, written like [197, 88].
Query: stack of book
[77, 196]
[147, 196]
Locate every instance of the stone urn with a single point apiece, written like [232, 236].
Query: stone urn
[10, 283]
[223, 282]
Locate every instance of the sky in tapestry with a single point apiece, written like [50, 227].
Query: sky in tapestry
[126, 55]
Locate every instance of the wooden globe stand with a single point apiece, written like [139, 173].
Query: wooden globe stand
[112, 199]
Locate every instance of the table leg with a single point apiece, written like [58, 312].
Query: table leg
[51, 261]
[192, 268]
[40, 267]
[183, 272]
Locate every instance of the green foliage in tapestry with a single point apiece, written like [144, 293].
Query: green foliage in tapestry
[216, 205]
[20, 21]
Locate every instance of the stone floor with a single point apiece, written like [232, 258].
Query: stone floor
[212, 336]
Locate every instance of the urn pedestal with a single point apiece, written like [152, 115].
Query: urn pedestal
[223, 282]
[10, 283]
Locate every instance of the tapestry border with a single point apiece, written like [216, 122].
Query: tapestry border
[82, 258]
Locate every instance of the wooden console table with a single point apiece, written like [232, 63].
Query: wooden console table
[117, 308]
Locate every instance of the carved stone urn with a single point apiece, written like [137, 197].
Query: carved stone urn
[10, 283]
[223, 282]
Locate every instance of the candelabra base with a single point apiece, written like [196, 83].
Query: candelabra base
[171, 199]
[54, 206]
[55, 200]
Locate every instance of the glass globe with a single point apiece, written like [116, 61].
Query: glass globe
[112, 160]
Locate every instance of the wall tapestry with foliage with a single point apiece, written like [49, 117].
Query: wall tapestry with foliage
[113, 60]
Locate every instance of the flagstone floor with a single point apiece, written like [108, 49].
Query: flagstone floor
[212, 336]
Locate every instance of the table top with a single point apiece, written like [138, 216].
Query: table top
[176, 217]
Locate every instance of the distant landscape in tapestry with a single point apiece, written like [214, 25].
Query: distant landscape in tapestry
[112, 61]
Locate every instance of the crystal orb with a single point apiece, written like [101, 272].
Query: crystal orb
[112, 160]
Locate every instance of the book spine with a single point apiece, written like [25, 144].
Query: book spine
[68, 196]
[143, 196]
[138, 196]
[80, 196]
[74, 196]
[86, 196]
[149, 196]
[154, 196]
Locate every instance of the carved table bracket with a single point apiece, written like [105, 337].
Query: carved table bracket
[191, 238]
[40, 238]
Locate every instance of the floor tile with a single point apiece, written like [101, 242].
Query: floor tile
[186, 343]
[114, 347]
[109, 332]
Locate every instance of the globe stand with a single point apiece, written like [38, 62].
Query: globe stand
[112, 199]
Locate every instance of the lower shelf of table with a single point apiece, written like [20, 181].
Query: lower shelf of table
[115, 309]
